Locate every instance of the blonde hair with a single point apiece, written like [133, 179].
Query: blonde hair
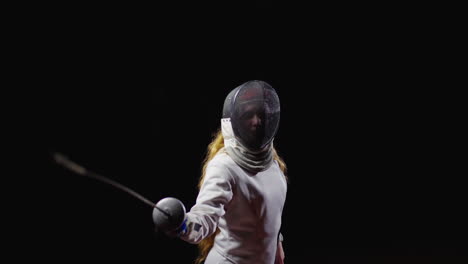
[216, 144]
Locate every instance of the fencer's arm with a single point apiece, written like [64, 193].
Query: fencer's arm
[280, 251]
[215, 193]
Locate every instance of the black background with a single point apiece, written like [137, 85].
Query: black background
[136, 98]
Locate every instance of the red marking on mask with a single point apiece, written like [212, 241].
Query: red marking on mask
[251, 94]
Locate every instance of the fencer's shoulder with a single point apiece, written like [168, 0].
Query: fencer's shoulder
[222, 159]
[221, 166]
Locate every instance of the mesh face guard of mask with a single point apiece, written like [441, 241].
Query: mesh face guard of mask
[254, 111]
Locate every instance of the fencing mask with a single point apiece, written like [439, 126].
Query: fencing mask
[254, 111]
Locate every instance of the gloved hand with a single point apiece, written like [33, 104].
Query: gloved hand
[169, 216]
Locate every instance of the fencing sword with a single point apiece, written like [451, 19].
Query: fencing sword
[168, 213]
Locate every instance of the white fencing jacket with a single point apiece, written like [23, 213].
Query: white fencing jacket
[246, 208]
